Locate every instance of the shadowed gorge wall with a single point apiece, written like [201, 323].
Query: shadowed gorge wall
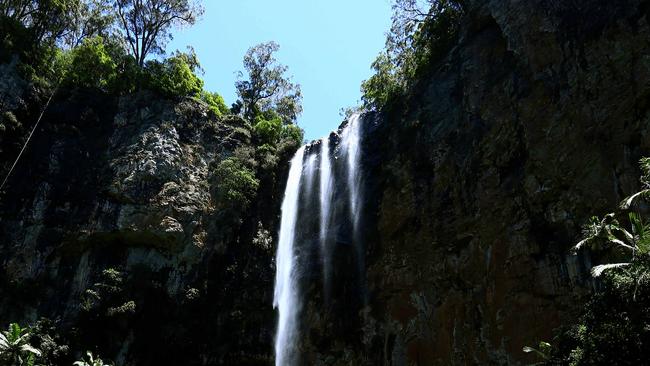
[475, 185]
[532, 124]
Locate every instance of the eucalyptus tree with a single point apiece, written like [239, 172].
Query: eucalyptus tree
[47, 20]
[421, 31]
[146, 24]
[88, 19]
[267, 86]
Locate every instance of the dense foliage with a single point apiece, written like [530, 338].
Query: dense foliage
[267, 87]
[215, 102]
[236, 184]
[614, 327]
[145, 24]
[91, 65]
[175, 75]
[15, 348]
[422, 32]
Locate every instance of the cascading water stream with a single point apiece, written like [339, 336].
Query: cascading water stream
[351, 143]
[285, 297]
[298, 230]
[325, 211]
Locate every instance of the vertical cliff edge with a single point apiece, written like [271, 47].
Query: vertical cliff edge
[476, 185]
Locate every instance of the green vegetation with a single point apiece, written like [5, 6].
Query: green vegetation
[175, 76]
[38, 345]
[15, 348]
[145, 25]
[268, 128]
[91, 361]
[65, 41]
[215, 102]
[107, 46]
[614, 327]
[91, 65]
[236, 183]
[106, 297]
[267, 88]
[422, 33]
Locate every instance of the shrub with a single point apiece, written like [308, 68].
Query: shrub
[91, 65]
[91, 361]
[215, 102]
[267, 157]
[129, 75]
[292, 133]
[236, 184]
[267, 131]
[15, 348]
[614, 327]
[175, 76]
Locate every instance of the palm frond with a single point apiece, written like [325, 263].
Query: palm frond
[581, 244]
[627, 202]
[621, 243]
[4, 342]
[598, 270]
[30, 349]
[15, 331]
[528, 349]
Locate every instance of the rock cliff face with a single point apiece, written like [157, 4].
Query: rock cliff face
[110, 224]
[533, 123]
[476, 186]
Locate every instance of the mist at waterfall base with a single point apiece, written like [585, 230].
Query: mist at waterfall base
[320, 253]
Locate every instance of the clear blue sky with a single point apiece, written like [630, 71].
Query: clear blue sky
[328, 46]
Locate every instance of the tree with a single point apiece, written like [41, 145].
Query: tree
[236, 184]
[15, 348]
[612, 327]
[215, 102]
[267, 87]
[91, 65]
[47, 20]
[176, 76]
[421, 32]
[145, 24]
[91, 18]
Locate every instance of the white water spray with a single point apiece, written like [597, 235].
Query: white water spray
[326, 185]
[288, 263]
[286, 297]
[351, 142]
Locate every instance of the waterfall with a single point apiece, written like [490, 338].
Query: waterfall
[325, 212]
[301, 230]
[351, 142]
[286, 298]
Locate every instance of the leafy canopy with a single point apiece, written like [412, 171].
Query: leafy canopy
[145, 24]
[175, 76]
[236, 184]
[266, 86]
[422, 31]
[91, 65]
[215, 102]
